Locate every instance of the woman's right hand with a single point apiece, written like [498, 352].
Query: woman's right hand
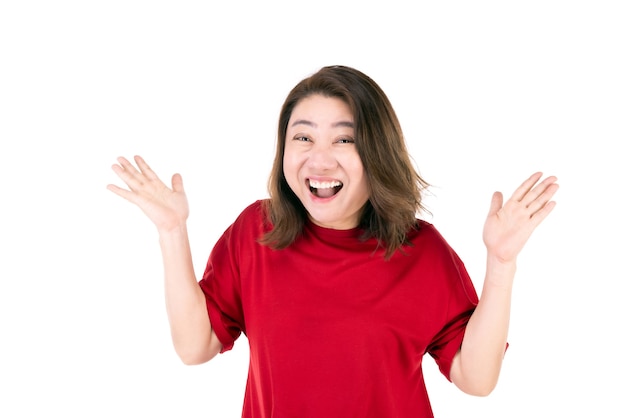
[193, 337]
[166, 207]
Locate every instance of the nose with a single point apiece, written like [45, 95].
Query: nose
[321, 158]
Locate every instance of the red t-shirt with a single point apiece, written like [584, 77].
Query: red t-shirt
[334, 329]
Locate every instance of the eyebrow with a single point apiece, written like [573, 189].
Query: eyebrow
[346, 124]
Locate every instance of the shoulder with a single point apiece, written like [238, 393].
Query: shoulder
[252, 218]
[428, 238]
[432, 249]
[424, 231]
[248, 226]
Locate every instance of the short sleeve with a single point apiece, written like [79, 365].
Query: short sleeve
[459, 307]
[448, 342]
[221, 286]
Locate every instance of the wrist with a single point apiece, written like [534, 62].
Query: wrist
[172, 231]
[500, 272]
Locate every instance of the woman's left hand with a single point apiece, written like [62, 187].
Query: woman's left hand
[509, 225]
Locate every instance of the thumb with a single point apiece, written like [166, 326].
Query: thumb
[496, 203]
[177, 183]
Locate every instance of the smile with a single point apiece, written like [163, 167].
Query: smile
[325, 188]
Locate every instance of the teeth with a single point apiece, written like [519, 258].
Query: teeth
[324, 184]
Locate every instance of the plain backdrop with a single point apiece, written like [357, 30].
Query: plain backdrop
[487, 93]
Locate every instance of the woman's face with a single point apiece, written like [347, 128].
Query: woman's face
[321, 162]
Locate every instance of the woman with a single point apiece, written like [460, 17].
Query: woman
[338, 285]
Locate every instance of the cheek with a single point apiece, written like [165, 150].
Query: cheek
[354, 167]
[290, 169]
[358, 176]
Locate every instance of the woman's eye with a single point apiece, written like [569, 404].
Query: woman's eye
[302, 138]
[345, 141]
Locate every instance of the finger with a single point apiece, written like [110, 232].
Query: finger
[523, 189]
[543, 198]
[177, 183]
[127, 165]
[496, 203]
[126, 194]
[145, 168]
[128, 173]
[538, 192]
[542, 213]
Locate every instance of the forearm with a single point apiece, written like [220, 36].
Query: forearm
[192, 335]
[477, 366]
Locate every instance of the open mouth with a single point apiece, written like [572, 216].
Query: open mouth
[325, 189]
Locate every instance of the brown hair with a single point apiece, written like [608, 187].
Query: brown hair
[395, 186]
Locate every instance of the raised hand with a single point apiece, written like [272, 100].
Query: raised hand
[166, 207]
[509, 226]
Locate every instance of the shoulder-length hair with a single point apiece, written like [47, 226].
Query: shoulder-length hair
[395, 186]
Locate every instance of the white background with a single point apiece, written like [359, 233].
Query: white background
[487, 92]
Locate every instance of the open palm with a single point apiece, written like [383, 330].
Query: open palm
[166, 207]
[509, 226]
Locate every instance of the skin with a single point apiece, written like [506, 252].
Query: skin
[476, 367]
[194, 340]
[319, 147]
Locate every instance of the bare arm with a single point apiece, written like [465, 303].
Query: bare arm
[193, 337]
[476, 367]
